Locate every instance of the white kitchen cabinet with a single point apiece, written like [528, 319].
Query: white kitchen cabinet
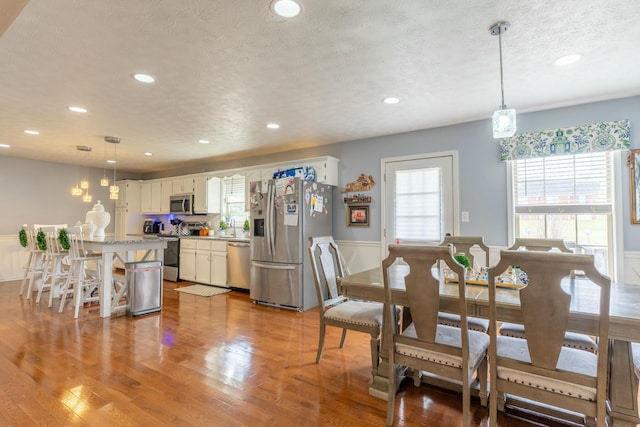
[182, 185]
[145, 197]
[166, 192]
[156, 196]
[188, 259]
[326, 168]
[151, 197]
[207, 195]
[206, 261]
[129, 195]
[219, 263]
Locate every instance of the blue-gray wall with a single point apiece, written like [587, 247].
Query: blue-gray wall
[482, 177]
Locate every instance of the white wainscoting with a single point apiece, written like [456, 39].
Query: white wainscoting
[13, 258]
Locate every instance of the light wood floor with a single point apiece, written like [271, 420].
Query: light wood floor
[218, 361]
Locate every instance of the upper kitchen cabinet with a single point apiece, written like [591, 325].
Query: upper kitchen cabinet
[165, 197]
[325, 169]
[182, 185]
[129, 195]
[207, 195]
[151, 197]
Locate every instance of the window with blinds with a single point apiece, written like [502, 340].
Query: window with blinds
[418, 215]
[233, 199]
[567, 197]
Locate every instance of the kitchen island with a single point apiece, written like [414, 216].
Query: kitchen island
[123, 248]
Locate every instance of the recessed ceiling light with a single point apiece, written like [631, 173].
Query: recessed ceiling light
[286, 8]
[111, 161]
[144, 78]
[568, 59]
[391, 100]
[273, 126]
[77, 109]
[203, 141]
[148, 154]
[5, 146]
[32, 132]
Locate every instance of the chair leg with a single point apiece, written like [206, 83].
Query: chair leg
[466, 403]
[46, 275]
[344, 336]
[391, 399]
[27, 270]
[482, 377]
[375, 355]
[320, 341]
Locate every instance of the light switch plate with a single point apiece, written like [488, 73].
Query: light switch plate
[465, 216]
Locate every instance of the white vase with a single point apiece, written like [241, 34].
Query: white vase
[99, 217]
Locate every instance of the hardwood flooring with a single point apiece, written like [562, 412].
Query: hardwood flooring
[218, 361]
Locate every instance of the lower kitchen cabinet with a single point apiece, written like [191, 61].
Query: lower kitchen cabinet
[188, 260]
[204, 261]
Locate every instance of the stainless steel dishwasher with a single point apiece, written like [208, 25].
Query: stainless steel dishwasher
[238, 264]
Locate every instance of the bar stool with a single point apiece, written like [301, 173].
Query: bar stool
[34, 267]
[82, 281]
[53, 266]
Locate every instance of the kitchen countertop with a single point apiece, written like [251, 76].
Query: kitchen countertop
[227, 238]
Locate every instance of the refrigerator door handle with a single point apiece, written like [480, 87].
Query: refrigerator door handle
[274, 266]
[270, 224]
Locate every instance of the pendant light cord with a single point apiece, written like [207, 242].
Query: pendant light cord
[502, 107]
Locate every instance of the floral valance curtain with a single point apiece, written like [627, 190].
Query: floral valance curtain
[574, 140]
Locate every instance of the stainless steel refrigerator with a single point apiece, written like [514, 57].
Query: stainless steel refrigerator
[284, 214]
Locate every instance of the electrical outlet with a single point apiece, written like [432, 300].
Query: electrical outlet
[465, 216]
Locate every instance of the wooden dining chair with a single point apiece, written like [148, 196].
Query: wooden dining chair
[336, 309]
[572, 339]
[425, 345]
[539, 367]
[468, 245]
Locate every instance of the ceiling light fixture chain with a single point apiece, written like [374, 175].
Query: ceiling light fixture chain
[504, 119]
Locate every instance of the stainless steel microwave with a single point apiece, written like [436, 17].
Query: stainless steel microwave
[182, 204]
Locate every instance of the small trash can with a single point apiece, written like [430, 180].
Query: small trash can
[144, 287]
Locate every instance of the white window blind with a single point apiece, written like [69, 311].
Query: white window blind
[567, 197]
[580, 182]
[418, 214]
[233, 199]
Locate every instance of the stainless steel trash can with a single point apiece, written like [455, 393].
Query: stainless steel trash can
[144, 287]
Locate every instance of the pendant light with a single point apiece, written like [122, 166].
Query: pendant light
[114, 190]
[104, 181]
[76, 190]
[504, 119]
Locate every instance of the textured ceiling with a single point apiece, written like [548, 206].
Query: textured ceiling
[226, 68]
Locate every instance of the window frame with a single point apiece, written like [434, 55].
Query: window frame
[616, 214]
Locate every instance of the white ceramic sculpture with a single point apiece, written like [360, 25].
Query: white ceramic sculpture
[99, 217]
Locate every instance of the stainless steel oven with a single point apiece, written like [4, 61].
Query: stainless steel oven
[172, 258]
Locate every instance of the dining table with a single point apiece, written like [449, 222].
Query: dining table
[624, 324]
[126, 249]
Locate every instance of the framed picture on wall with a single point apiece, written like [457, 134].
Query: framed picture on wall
[357, 215]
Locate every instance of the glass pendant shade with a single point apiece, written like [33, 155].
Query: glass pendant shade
[504, 123]
[113, 196]
[87, 198]
[104, 182]
[84, 183]
[114, 189]
[76, 191]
